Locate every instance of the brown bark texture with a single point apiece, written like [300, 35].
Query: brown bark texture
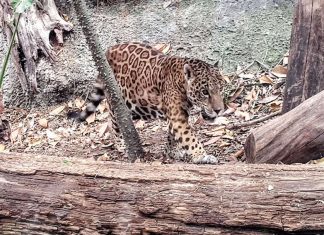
[294, 137]
[34, 30]
[306, 66]
[62, 195]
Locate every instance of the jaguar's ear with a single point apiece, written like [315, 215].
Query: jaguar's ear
[216, 64]
[187, 71]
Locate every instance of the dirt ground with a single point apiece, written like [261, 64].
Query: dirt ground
[229, 30]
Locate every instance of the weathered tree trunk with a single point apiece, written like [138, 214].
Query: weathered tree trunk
[296, 136]
[306, 66]
[57, 195]
[123, 117]
[34, 31]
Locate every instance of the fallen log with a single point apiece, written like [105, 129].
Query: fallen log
[62, 195]
[295, 137]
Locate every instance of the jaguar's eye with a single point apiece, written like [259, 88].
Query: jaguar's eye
[205, 92]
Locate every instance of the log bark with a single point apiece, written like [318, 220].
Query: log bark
[62, 195]
[306, 62]
[34, 31]
[295, 137]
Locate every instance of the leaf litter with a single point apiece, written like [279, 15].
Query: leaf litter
[249, 95]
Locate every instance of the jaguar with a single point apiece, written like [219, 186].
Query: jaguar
[156, 85]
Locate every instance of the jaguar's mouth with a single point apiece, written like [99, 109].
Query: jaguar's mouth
[206, 116]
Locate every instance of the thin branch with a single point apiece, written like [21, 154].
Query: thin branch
[252, 122]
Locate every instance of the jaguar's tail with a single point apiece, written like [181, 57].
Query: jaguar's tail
[96, 97]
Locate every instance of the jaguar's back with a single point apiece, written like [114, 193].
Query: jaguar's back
[136, 67]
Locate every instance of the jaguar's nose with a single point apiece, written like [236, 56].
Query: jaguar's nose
[217, 111]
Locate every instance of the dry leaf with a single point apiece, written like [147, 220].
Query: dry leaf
[224, 144]
[221, 121]
[58, 110]
[275, 106]
[91, 118]
[156, 163]
[279, 71]
[227, 79]
[251, 95]
[79, 102]
[13, 135]
[33, 142]
[212, 140]
[43, 122]
[228, 134]
[285, 60]
[2, 147]
[245, 115]
[53, 143]
[103, 157]
[140, 124]
[246, 76]
[233, 105]
[52, 135]
[238, 69]
[265, 80]
[162, 47]
[103, 116]
[70, 104]
[102, 106]
[268, 99]
[229, 111]
[166, 4]
[236, 94]
[103, 129]
[229, 137]
[213, 133]
[31, 123]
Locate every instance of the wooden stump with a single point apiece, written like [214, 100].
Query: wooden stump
[34, 29]
[296, 136]
[306, 62]
[57, 195]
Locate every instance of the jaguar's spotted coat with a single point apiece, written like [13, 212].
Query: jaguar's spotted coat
[155, 85]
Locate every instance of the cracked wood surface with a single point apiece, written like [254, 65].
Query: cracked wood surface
[62, 195]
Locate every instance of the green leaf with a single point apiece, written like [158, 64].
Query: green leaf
[21, 5]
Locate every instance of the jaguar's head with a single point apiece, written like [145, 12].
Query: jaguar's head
[204, 84]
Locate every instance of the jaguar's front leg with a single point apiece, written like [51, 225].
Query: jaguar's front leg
[173, 149]
[185, 138]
